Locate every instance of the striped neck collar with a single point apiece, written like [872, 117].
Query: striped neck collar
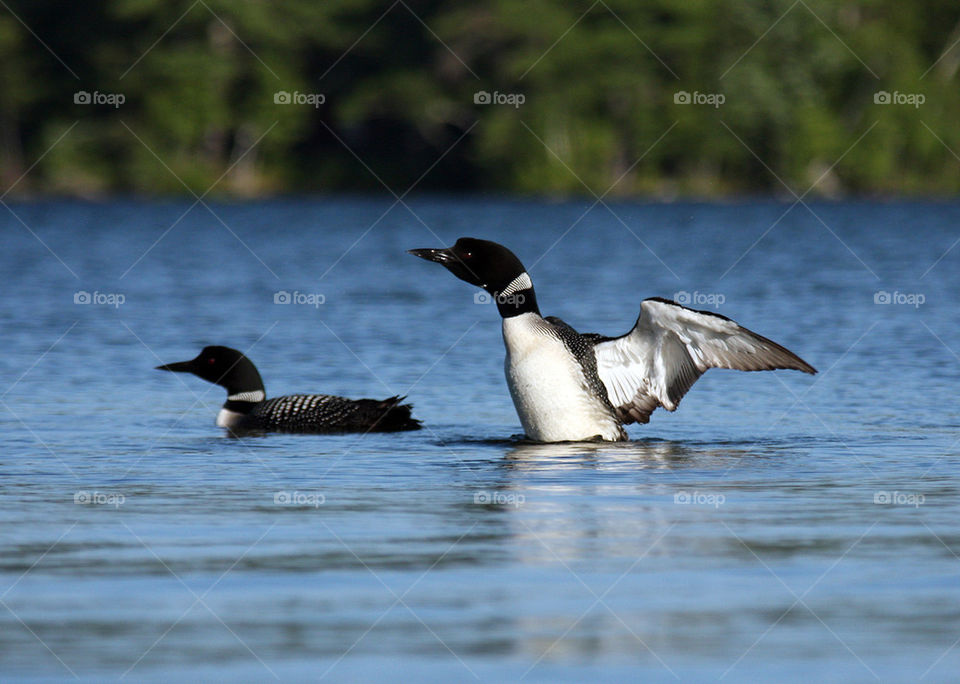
[517, 297]
[252, 396]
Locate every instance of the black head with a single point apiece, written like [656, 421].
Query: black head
[222, 366]
[482, 263]
[488, 265]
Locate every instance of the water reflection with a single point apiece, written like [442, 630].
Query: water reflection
[594, 504]
[644, 454]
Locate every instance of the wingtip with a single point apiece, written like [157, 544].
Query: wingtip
[797, 364]
[802, 366]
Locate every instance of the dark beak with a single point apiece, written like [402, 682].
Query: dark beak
[440, 256]
[179, 367]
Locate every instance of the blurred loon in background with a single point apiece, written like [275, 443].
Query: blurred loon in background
[247, 406]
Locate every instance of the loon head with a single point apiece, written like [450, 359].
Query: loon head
[491, 266]
[222, 366]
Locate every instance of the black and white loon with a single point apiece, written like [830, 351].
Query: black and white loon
[568, 386]
[248, 408]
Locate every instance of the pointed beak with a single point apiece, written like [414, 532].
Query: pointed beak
[179, 367]
[440, 256]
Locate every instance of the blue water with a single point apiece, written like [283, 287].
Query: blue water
[138, 541]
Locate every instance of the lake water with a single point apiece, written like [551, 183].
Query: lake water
[778, 526]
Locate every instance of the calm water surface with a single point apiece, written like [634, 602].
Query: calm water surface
[744, 537]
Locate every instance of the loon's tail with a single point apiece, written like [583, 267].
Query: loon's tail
[392, 416]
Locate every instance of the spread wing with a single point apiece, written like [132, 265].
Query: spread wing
[670, 347]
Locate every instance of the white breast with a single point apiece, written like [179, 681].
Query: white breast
[548, 386]
[229, 419]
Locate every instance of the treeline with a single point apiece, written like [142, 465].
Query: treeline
[654, 97]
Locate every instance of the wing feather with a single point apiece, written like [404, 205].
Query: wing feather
[670, 347]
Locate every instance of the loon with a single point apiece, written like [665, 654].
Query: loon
[248, 408]
[568, 386]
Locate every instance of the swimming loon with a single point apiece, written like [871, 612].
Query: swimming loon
[568, 386]
[248, 408]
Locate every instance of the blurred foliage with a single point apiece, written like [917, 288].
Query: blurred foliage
[598, 80]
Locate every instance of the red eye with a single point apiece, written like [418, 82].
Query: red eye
[211, 361]
[467, 255]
